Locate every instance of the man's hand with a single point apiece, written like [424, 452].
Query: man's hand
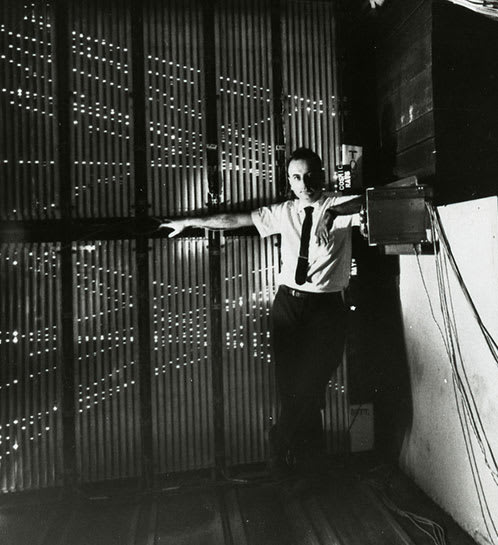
[363, 222]
[214, 222]
[176, 226]
[324, 225]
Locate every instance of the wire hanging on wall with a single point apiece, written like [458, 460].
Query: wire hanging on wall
[468, 411]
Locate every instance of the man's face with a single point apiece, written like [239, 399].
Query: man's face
[306, 185]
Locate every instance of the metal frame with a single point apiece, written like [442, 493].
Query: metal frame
[142, 226]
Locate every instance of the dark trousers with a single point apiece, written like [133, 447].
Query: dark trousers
[308, 332]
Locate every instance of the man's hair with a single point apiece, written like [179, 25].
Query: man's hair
[314, 163]
[305, 154]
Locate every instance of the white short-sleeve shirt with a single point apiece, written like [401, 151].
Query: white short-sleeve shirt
[329, 264]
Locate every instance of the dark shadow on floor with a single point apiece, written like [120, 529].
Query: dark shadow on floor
[346, 506]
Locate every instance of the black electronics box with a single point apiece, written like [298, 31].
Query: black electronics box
[397, 213]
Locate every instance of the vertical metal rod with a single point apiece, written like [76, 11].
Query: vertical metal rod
[29, 462]
[210, 106]
[142, 249]
[197, 178]
[138, 94]
[62, 49]
[5, 124]
[338, 128]
[267, 155]
[278, 105]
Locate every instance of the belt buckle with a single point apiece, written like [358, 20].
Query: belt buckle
[296, 293]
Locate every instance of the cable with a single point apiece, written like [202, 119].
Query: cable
[428, 527]
[468, 412]
[429, 299]
[493, 346]
[463, 381]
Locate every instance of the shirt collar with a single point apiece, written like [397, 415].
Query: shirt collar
[300, 206]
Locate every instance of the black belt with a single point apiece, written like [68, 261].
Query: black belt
[303, 294]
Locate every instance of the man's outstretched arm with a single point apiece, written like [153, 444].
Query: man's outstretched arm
[216, 221]
[346, 208]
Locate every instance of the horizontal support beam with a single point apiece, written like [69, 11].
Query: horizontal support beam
[95, 229]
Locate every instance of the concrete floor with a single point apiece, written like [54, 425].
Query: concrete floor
[343, 507]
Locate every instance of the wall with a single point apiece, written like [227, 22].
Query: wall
[434, 83]
[436, 91]
[434, 452]
[465, 85]
[405, 89]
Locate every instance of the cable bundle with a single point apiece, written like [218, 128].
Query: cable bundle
[428, 527]
[468, 411]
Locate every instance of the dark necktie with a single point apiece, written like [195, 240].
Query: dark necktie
[302, 261]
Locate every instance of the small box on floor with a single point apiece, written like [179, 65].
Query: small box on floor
[361, 423]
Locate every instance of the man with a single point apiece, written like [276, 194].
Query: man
[308, 316]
